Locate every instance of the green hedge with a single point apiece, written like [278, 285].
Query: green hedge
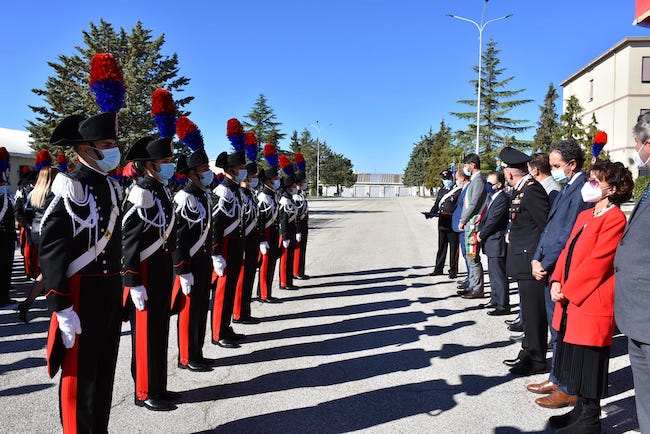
[639, 185]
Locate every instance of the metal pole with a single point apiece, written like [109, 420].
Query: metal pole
[318, 160]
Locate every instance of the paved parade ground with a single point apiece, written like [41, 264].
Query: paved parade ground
[370, 343]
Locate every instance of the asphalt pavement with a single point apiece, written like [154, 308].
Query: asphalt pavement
[370, 343]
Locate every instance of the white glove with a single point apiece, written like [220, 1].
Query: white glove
[139, 296]
[264, 247]
[285, 244]
[69, 325]
[187, 280]
[219, 264]
[298, 236]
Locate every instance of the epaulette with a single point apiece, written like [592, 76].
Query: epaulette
[183, 199]
[141, 198]
[224, 192]
[68, 188]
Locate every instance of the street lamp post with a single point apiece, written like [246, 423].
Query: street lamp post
[480, 28]
[317, 126]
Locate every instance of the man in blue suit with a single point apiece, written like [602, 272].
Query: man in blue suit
[462, 181]
[566, 158]
[632, 296]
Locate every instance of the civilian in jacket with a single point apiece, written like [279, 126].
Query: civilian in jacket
[540, 168]
[443, 208]
[462, 181]
[491, 234]
[633, 282]
[582, 286]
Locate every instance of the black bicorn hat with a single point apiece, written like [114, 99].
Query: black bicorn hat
[195, 159]
[511, 157]
[445, 174]
[77, 129]
[251, 168]
[149, 149]
[300, 176]
[271, 172]
[226, 160]
[288, 181]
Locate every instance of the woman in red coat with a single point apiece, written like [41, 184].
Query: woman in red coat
[583, 288]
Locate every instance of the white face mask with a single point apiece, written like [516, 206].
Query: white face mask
[467, 171]
[591, 193]
[636, 157]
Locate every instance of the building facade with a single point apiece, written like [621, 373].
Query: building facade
[17, 143]
[615, 87]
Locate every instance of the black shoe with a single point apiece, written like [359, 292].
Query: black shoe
[250, 320]
[516, 327]
[524, 369]
[227, 343]
[22, 311]
[517, 338]
[230, 334]
[512, 321]
[488, 305]
[452, 276]
[168, 395]
[155, 404]
[195, 367]
[301, 277]
[499, 312]
[512, 362]
[464, 291]
[565, 419]
[436, 273]
[271, 300]
[289, 288]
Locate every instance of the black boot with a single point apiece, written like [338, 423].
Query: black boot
[22, 310]
[588, 421]
[566, 419]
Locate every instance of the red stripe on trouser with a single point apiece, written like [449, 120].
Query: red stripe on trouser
[236, 310]
[183, 324]
[68, 390]
[284, 256]
[142, 344]
[296, 258]
[220, 294]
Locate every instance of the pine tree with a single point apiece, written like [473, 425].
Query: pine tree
[588, 144]
[496, 103]
[439, 159]
[337, 170]
[144, 67]
[262, 121]
[415, 172]
[548, 127]
[572, 126]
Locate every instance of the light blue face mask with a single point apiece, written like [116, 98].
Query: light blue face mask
[241, 175]
[166, 171]
[559, 175]
[447, 183]
[293, 190]
[111, 159]
[276, 184]
[253, 182]
[207, 178]
[5, 189]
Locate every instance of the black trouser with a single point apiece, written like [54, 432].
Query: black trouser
[531, 296]
[499, 293]
[267, 264]
[7, 249]
[303, 228]
[242, 308]
[86, 387]
[447, 237]
[150, 328]
[224, 294]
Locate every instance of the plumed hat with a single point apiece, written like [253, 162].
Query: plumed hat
[190, 135]
[4, 164]
[600, 140]
[62, 162]
[43, 159]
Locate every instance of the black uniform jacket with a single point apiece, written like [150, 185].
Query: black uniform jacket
[287, 215]
[226, 214]
[82, 213]
[268, 207]
[193, 222]
[148, 221]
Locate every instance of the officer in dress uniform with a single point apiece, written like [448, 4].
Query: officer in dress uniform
[192, 264]
[148, 240]
[302, 220]
[227, 246]
[7, 230]
[268, 224]
[287, 216]
[528, 212]
[24, 214]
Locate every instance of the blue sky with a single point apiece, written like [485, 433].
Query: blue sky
[376, 74]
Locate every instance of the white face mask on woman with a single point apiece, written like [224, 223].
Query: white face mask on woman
[636, 157]
[592, 192]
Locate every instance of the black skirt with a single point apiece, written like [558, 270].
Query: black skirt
[582, 369]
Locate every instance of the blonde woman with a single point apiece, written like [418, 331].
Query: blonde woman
[38, 199]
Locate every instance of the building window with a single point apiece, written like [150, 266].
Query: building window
[591, 90]
[645, 70]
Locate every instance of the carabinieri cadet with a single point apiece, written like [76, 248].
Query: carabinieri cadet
[192, 265]
[227, 247]
[7, 229]
[268, 224]
[302, 220]
[242, 308]
[148, 240]
[80, 258]
[24, 213]
[287, 216]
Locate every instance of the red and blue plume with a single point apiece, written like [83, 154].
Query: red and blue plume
[300, 162]
[271, 155]
[286, 166]
[62, 162]
[163, 111]
[107, 83]
[235, 133]
[251, 146]
[180, 178]
[189, 133]
[4, 160]
[43, 159]
[599, 143]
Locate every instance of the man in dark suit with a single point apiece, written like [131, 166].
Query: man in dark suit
[566, 159]
[491, 234]
[632, 300]
[462, 181]
[528, 211]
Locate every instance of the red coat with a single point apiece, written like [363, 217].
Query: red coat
[590, 286]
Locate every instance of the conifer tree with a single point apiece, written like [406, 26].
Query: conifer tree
[572, 126]
[144, 66]
[496, 102]
[262, 121]
[548, 127]
[440, 156]
[415, 172]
